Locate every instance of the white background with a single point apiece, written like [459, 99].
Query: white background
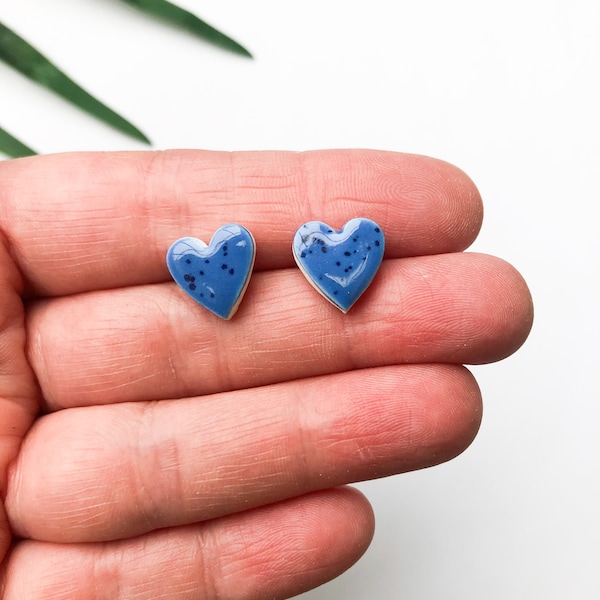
[509, 92]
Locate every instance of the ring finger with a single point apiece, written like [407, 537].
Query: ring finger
[122, 470]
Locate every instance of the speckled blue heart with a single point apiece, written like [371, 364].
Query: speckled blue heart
[214, 275]
[340, 264]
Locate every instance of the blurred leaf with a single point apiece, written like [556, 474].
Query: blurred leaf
[178, 16]
[12, 147]
[19, 54]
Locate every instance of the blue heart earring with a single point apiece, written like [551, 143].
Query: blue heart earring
[215, 275]
[339, 264]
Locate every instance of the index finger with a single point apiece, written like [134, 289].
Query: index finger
[81, 222]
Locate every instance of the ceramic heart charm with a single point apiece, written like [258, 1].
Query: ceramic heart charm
[214, 275]
[339, 264]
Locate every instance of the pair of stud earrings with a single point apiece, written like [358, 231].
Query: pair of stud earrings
[340, 265]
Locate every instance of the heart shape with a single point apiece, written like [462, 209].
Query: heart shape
[214, 275]
[339, 264]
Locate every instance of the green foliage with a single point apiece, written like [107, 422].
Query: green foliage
[22, 56]
[182, 18]
[18, 53]
[12, 147]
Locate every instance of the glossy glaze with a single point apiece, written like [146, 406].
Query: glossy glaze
[214, 275]
[340, 264]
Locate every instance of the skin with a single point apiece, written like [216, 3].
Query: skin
[152, 450]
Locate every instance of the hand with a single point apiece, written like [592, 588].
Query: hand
[206, 455]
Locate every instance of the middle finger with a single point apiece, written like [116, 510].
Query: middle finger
[154, 343]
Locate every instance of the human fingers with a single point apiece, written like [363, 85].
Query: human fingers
[152, 342]
[19, 393]
[106, 472]
[273, 552]
[81, 222]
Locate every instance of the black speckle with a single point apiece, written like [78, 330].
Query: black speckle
[347, 253]
[303, 254]
[206, 261]
[187, 277]
[330, 231]
[368, 248]
[350, 268]
[320, 277]
[356, 252]
[225, 253]
[345, 270]
[310, 251]
[201, 294]
[231, 271]
[201, 272]
[364, 258]
[355, 240]
[225, 248]
[192, 286]
[320, 241]
[324, 249]
[224, 267]
[212, 294]
[377, 242]
[335, 293]
[338, 263]
[188, 261]
[377, 230]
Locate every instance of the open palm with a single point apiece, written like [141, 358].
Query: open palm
[152, 450]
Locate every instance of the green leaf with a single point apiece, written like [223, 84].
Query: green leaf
[178, 16]
[19, 54]
[12, 147]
